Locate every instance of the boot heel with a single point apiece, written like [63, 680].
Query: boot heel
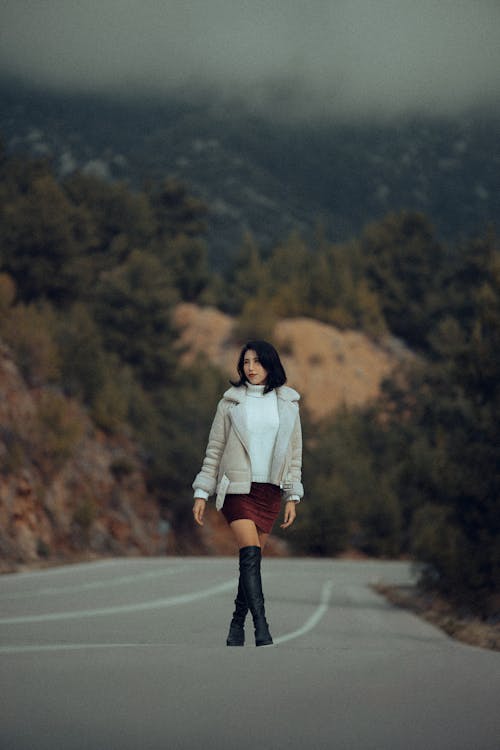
[267, 641]
[236, 635]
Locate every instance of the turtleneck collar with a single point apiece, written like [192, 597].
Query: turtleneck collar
[255, 390]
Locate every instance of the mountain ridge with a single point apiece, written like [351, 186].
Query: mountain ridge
[266, 177]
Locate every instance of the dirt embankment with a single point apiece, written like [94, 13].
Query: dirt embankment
[329, 367]
[67, 491]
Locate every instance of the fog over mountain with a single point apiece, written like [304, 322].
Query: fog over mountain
[321, 59]
[267, 177]
[278, 113]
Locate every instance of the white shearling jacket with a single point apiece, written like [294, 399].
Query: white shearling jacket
[226, 467]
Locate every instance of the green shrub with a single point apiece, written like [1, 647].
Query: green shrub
[256, 321]
[43, 549]
[7, 293]
[84, 516]
[59, 426]
[121, 467]
[437, 545]
[12, 450]
[28, 331]
[323, 524]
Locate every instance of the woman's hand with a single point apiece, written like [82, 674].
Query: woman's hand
[290, 514]
[199, 510]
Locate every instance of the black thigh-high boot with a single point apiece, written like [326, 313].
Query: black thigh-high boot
[236, 635]
[250, 577]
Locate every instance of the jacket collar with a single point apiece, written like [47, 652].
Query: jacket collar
[285, 393]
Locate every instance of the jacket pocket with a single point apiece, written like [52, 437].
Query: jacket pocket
[221, 492]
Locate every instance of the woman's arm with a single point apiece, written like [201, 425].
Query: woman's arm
[290, 514]
[199, 510]
[206, 479]
[292, 485]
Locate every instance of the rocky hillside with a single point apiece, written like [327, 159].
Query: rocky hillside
[67, 491]
[329, 367]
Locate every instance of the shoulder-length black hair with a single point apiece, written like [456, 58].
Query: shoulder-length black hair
[270, 361]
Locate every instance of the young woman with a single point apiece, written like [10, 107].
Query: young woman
[253, 463]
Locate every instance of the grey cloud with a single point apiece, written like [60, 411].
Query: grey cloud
[323, 57]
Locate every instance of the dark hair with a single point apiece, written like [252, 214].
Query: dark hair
[270, 361]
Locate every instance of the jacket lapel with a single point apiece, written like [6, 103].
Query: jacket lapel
[239, 422]
[287, 411]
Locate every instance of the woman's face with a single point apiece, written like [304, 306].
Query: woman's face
[254, 372]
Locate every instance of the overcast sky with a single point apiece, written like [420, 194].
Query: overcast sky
[322, 57]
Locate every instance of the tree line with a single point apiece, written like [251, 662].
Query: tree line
[91, 272]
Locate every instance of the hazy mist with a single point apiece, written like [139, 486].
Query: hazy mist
[337, 58]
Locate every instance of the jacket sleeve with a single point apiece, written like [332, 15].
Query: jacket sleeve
[206, 479]
[293, 488]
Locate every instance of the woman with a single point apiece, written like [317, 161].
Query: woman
[253, 463]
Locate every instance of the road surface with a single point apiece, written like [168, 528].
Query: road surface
[131, 655]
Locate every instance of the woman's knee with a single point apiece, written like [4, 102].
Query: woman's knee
[245, 532]
[262, 539]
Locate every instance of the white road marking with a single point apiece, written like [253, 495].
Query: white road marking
[90, 585]
[79, 614]
[309, 625]
[316, 616]
[69, 568]
[67, 647]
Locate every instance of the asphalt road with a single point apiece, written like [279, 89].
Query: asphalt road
[130, 654]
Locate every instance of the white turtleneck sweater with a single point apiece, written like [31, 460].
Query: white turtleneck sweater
[261, 411]
[262, 423]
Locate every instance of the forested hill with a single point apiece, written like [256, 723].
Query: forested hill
[91, 274]
[264, 176]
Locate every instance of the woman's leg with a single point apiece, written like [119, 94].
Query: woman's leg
[251, 581]
[248, 535]
[250, 542]
[245, 533]
[262, 539]
[236, 635]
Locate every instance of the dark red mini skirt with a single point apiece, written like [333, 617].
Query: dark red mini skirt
[261, 505]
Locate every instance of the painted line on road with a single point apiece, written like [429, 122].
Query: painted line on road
[64, 569]
[35, 648]
[310, 623]
[91, 585]
[79, 614]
